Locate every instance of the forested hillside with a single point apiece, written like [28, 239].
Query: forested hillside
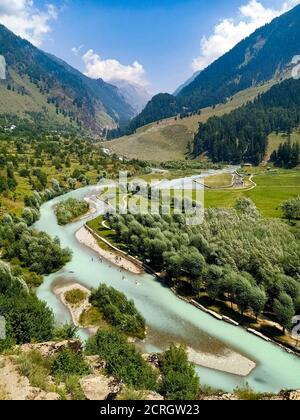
[265, 55]
[36, 81]
[243, 134]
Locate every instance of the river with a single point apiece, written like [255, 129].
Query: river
[169, 318]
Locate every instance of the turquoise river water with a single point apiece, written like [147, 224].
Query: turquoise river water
[169, 318]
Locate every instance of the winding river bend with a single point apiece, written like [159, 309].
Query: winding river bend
[169, 318]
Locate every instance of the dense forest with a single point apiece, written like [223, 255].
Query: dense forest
[287, 156]
[234, 255]
[242, 135]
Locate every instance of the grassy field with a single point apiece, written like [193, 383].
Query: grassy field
[219, 181]
[276, 139]
[272, 189]
[170, 139]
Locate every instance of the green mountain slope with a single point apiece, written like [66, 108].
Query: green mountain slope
[265, 55]
[243, 134]
[37, 81]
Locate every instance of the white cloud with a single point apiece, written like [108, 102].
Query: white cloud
[26, 20]
[229, 32]
[76, 50]
[112, 69]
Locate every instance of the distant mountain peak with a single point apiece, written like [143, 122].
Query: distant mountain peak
[135, 94]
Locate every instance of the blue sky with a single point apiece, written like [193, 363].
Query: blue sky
[158, 43]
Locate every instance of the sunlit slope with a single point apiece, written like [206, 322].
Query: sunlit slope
[171, 139]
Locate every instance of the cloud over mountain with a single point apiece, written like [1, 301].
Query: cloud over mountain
[26, 20]
[230, 31]
[111, 69]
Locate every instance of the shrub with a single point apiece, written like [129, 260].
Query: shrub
[75, 297]
[36, 368]
[68, 363]
[180, 381]
[71, 209]
[118, 311]
[122, 359]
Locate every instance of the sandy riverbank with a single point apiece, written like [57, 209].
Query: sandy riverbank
[92, 210]
[230, 362]
[60, 291]
[86, 238]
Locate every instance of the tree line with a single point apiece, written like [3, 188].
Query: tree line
[235, 255]
[242, 135]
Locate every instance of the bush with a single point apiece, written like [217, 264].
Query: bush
[27, 320]
[36, 368]
[71, 209]
[122, 359]
[68, 363]
[75, 297]
[180, 381]
[118, 311]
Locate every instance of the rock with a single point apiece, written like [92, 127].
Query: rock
[99, 388]
[153, 360]
[47, 396]
[230, 321]
[294, 396]
[153, 396]
[289, 395]
[96, 364]
[219, 397]
[17, 386]
[51, 348]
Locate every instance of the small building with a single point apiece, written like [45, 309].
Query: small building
[247, 165]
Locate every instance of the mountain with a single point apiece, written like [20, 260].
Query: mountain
[134, 94]
[242, 135]
[186, 83]
[34, 81]
[263, 56]
[161, 104]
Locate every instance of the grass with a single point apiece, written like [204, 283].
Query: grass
[218, 181]
[75, 297]
[108, 234]
[73, 388]
[156, 144]
[92, 318]
[171, 138]
[130, 394]
[248, 394]
[3, 393]
[36, 368]
[272, 189]
[276, 139]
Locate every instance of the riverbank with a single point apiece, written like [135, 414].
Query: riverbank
[112, 255]
[61, 289]
[229, 362]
